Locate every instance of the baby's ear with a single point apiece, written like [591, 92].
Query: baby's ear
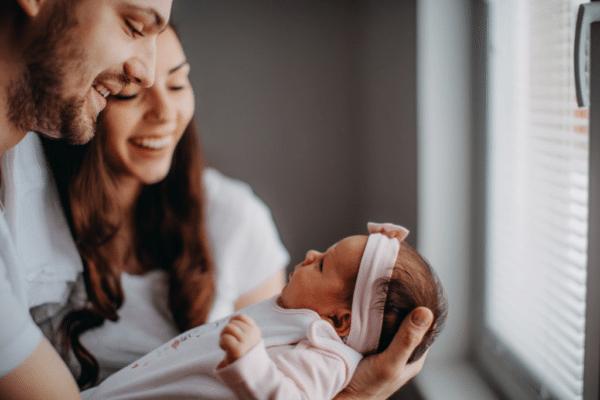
[341, 320]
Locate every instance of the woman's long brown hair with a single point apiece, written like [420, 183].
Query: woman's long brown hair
[169, 233]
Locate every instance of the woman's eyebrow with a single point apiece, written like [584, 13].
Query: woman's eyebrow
[177, 67]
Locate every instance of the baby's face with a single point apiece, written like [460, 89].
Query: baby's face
[319, 281]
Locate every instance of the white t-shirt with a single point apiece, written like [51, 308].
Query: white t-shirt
[246, 251]
[40, 268]
[39, 263]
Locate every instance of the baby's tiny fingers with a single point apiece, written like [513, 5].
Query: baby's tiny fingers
[243, 321]
[227, 341]
[234, 330]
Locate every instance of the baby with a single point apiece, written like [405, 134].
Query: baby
[306, 342]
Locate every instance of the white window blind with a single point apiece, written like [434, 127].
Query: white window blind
[537, 211]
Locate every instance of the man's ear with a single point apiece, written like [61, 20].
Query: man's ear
[31, 7]
[341, 320]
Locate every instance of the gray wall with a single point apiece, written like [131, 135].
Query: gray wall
[313, 103]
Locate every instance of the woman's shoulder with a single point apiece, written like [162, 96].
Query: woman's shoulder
[240, 226]
[220, 186]
[231, 198]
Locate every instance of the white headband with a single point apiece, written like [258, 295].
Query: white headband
[377, 262]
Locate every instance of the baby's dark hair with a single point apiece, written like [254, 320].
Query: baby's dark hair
[413, 284]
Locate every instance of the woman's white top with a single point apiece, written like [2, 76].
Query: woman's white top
[40, 268]
[246, 251]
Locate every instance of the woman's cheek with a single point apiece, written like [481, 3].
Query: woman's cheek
[190, 109]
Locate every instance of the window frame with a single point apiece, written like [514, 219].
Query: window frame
[504, 373]
[592, 346]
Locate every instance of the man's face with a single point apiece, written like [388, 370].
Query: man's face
[85, 50]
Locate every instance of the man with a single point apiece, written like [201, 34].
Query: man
[59, 59]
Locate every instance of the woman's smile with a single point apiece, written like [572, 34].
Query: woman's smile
[151, 143]
[144, 125]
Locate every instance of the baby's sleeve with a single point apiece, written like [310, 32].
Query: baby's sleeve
[303, 372]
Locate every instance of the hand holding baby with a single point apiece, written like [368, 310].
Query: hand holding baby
[237, 338]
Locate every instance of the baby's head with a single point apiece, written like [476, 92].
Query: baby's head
[393, 280]
[325, 282]
[412, 283]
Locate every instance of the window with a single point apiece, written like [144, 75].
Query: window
[535, 284]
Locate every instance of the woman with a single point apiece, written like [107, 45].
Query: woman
[167, 246]
[161, 255]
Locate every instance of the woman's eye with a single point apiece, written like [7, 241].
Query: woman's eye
[124, 96]
[178, 83]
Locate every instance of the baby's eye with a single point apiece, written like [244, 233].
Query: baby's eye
[321, 265]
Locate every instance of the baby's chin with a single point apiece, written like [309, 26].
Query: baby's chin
[282, 300]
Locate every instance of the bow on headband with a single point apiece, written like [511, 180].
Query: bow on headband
[377, 262]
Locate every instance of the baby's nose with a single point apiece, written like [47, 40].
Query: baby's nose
[311, 255]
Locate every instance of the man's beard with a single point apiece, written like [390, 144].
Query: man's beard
[36, 98]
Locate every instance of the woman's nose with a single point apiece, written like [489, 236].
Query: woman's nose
[160, 108]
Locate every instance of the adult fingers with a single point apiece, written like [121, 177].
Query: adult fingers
[407, 338]
[415, 367]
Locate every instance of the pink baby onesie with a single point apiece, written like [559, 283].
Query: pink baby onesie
[300, 357]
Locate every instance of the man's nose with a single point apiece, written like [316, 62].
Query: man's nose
[142, 66]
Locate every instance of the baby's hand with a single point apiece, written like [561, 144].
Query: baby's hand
[237, 338]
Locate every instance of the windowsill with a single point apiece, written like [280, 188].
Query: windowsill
[452, 381]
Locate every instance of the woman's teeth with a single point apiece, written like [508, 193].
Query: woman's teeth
[152, 143]
[103, 90]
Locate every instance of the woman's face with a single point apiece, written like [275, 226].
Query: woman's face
[143, 125]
